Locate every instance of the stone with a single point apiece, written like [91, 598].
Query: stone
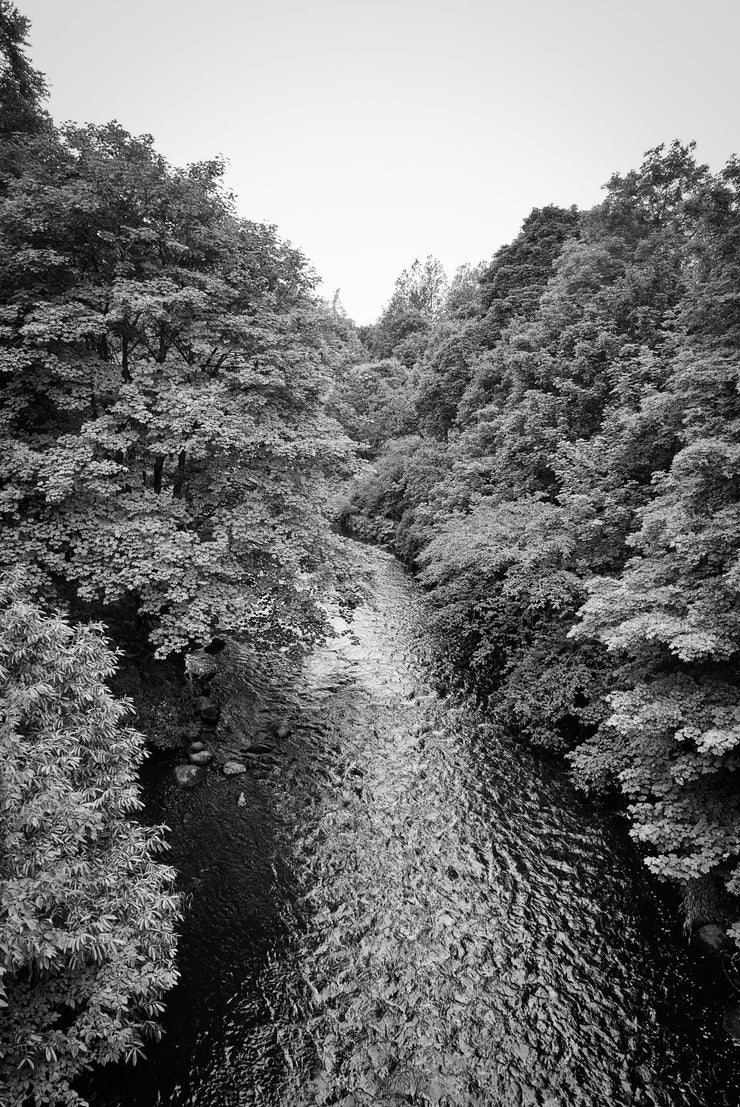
[282, 730]
[200, 757]
[233, 768]
[196, 747]
[208, 709]
[713, 938]
[731, 1022]
[187, 776]
[258, 747]
[242, 801]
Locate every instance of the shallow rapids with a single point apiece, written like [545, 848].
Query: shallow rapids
[397, 907]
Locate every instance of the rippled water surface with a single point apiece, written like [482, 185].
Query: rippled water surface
[404, 909]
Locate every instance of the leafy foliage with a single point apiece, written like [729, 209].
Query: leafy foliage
[373, 401]
[22, 91]
[163, 371]
[581, 541]
[87, 914]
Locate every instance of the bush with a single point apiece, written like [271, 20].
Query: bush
[87, 916]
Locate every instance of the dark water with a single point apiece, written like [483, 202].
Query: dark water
[406, 910]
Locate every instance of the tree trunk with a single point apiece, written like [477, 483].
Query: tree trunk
[180, 474]
[124, 359]
[157, 475]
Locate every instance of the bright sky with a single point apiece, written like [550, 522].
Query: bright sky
[373, 132]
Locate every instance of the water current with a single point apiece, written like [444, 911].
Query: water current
[396, 906]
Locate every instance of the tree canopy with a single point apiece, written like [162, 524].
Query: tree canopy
[163, 368]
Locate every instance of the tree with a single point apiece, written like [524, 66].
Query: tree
[463, 295]
[423, 288]
[373, 402]
[22, 88]
[164, 371]
[514, 281]
[22, 93]
[418, 301]
[87, 915]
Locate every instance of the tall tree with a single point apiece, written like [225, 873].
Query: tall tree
[22, 88]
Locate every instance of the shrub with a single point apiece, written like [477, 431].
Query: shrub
[87, 915]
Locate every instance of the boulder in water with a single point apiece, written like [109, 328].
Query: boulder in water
[731, 1022]
[208, 709]
[187, 776]
[233, 768]
[282, 730]
[200, 757]
[242, 801]
[195, 747]
[713, 938]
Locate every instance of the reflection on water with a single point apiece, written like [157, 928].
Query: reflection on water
[406, 909]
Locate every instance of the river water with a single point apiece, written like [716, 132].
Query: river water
[399, 907]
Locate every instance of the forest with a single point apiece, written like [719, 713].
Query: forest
[550, 440]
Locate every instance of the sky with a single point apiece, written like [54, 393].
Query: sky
[374, 132]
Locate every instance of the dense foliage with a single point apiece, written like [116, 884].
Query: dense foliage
[373, 402]
[87, 940]
[571, 498]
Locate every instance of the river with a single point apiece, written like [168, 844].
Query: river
[399, 907]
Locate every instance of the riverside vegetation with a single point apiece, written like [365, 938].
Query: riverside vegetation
[566, 483]
[551, 441]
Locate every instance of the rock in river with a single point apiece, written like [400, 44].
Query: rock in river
[208, 709]
[282, 730]
[713, 938]
[232, 768]
[187, 776]
[731, 1022]
[200, 757]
